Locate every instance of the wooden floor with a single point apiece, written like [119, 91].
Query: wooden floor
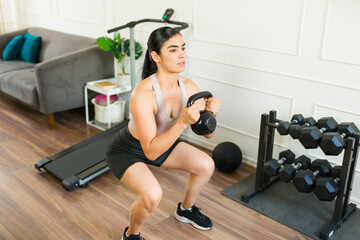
[33, 205]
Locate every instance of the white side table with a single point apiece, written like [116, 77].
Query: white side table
[108, 93]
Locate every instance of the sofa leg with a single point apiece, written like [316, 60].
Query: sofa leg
[51, 121]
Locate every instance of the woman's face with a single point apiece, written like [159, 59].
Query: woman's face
[172, 55]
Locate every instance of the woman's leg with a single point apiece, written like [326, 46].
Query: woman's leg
[199, 164]
[140, 180]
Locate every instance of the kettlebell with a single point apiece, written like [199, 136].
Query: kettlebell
[207, 121]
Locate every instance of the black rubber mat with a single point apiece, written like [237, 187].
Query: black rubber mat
[300, 211]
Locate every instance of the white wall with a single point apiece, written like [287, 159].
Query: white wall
[293, 56]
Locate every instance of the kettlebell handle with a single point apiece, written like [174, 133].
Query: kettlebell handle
[196, 96]
[207, 121]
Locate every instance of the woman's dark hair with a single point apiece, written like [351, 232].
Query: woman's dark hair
[155, 42]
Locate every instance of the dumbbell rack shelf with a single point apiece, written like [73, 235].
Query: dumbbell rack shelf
[343, 208]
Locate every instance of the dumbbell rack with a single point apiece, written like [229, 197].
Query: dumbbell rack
[342, 208]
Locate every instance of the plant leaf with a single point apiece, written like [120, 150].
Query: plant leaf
[117, 38]
[119, 47]
[103, 44]
[138, 50]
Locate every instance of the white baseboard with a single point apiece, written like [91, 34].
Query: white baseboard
[210, 146]
[197, 141]
[355, 201]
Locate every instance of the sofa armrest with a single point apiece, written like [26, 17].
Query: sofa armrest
[60, 81]
[6, 37]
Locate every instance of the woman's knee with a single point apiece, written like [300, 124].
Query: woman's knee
[210, 165]
[205, 166]
[151, 198]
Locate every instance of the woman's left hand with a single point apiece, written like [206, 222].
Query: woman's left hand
[213, 105]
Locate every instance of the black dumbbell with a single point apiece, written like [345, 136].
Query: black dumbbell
[304, 180]
[287, 173]
[294, 130]
[327, 188]
[283, 126]
[272, 167]
[333, 143]
[310, 136]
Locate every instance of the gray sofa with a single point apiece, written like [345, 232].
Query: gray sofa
[66, 63]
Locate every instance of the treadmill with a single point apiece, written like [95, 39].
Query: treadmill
[80, 163]
[84, 161]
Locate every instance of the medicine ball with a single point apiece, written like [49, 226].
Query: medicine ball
[227, 156]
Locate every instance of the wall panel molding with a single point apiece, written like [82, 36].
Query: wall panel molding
[195, 75]
[343, 110]
[32, 7]
[325, 39]
[297, 52]
[232, 85]
[77, 17]
[338, 85]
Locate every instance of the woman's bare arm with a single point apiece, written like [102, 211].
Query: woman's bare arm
[142, 108]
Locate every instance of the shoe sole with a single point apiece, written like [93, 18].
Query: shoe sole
[186, 220]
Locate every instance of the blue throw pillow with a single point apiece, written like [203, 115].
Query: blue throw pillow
[13, 48]
[31, 48]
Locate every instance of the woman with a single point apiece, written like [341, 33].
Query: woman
[158, 116]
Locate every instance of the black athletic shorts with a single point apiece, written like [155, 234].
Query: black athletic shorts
[124, 150]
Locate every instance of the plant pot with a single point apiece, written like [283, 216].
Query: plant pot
[121, 79]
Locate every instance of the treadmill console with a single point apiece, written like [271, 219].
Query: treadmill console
[167, 15]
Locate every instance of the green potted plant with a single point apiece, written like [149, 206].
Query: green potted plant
[120, 49]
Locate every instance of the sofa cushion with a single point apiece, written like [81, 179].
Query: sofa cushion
[14, 65]
[5, 38]
[13, 48]
[30, 49]
[55, 44]
[21, 84]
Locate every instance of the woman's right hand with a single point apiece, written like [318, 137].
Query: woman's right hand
[190, 115]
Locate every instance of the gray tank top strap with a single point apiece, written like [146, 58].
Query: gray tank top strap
[160, 98]
[184, 96]
[163, 121]
[158, 92]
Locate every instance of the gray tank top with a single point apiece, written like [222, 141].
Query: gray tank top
[163, 120]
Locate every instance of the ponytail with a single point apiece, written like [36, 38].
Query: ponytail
[149, 67]
[155, 42]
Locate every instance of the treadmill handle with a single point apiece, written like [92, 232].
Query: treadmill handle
[182, 25]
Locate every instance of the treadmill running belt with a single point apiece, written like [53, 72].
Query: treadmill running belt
[80, 157]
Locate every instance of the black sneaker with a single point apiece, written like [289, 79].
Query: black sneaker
[131, 237]
[193, 216]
